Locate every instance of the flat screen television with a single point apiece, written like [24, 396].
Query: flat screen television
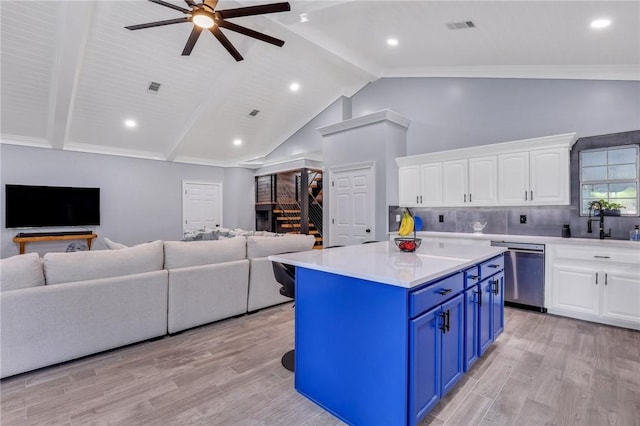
[29, 206]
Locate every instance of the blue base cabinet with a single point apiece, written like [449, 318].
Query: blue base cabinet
[377, 354]
[484, 308]
[436, 354]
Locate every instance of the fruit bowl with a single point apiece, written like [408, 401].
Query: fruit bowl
[407, 244]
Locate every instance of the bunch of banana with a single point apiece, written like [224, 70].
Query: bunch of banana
[406, 224]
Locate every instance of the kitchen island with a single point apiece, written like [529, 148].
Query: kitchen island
[381, 335]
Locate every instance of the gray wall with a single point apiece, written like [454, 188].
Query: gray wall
[380, 142]
[239, 198]
[308, 139]
[141, 200]
[448, 113]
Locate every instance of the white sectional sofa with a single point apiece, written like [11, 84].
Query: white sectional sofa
[68, 305]
[92, 301]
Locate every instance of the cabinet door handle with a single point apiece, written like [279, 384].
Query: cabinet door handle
[596, 278]
[444, 291]
[421, 199]
[443, 323]
[448, 320]
[602, 257]
[469, 197]
[532, 195]
[496, 288]
[606, 279]
[417, 199]
[525, 196]
[479, 293]
[465, 198]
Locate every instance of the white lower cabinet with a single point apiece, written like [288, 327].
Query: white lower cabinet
[595, 284]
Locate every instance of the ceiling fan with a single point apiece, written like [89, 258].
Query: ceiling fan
[205, 16]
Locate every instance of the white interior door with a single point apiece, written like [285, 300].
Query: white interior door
[352, 206]
[201, 205]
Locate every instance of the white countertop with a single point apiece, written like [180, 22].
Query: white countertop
[594, 242]
[383, 262]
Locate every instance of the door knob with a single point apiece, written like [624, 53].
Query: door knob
[367, 230]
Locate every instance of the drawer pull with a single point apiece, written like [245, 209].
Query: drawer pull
[493, 265]
[472, 277]
[444, 291]
[602, 257]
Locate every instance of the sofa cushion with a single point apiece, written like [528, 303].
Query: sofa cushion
[89, 265]
[266, 246]
[21, 271]
[180, 254]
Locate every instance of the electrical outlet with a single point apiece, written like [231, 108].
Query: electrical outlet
[523, 218]
[441, 218]
[397, 218]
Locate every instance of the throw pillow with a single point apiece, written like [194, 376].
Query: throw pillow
[111, 245]
[21, 271]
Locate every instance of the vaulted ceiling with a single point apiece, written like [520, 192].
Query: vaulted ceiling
[71, 74]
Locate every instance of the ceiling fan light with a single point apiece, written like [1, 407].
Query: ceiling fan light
[203, 20]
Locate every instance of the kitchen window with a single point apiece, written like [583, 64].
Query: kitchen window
[610, 174]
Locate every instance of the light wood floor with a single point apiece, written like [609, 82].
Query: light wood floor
[543, 370]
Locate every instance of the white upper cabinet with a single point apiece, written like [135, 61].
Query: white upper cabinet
[513, 178]
[431, 179]
[538, 177]
[420, 185]
[526, 172]
[483, 184]
[454, 183]
[549, 176]
[409, 186]
[470, 182]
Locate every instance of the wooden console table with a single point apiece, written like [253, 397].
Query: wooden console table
[34, 239]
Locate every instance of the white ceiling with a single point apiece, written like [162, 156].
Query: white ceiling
[71, 73]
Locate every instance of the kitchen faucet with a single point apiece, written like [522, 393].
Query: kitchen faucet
[599, 208]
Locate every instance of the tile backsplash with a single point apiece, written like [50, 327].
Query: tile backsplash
[543, 221]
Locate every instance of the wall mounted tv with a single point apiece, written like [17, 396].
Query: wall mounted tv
[38, 206]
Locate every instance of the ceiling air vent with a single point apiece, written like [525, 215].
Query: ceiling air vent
[460, 25]
[154, 87]
[254, 112]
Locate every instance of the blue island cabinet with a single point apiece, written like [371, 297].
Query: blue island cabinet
[380, 354]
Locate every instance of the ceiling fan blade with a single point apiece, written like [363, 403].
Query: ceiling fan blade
[172, 6]
[158, 23]
[190, 3]
[211, 4]
[254, 10]
[226, 43]
[249, 32]
[193, 37]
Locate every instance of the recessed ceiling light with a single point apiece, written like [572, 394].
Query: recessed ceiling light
[294, 87]
[237, 142]
[130, 123]
[392, 41]
[600, 23]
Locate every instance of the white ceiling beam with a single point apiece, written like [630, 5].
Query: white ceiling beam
[73, 30]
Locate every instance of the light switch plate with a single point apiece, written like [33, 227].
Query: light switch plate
[397, 218]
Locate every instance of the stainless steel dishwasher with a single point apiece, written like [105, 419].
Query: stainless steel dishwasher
[523, 275]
